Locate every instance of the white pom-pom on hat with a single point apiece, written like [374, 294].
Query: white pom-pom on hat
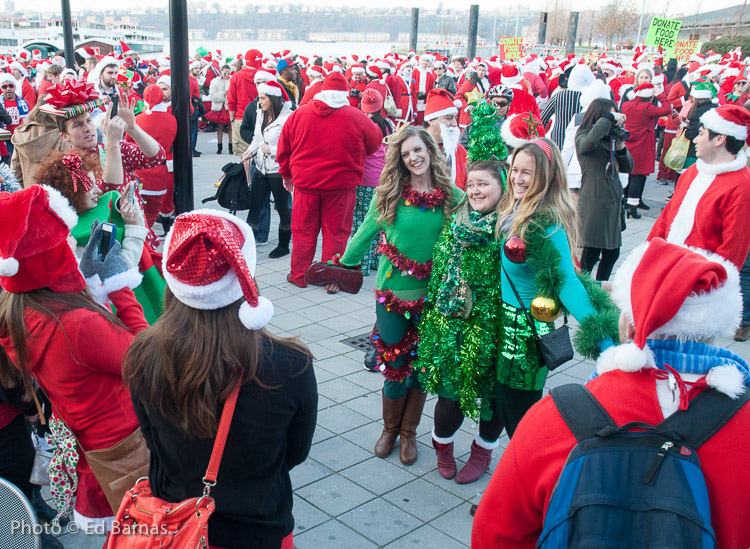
[255, 318]
[8, 266]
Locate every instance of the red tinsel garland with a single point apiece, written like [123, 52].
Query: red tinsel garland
[422, 200]
[403, 263]
[390, 353]
[395, 304]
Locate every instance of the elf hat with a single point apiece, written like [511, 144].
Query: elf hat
[731, 120]
[440, 102]
[209, 263]
[645, 90]
[676, 292]
[703, 89]
[34, 249]
[521, 128]
[510, 75]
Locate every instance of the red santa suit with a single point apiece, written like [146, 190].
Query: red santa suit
[157, 184]
[482, 86]
[640, 123]
[403, 99]
[421, 84]
[709, 210]
[310, 92]
[360, 86]
[241, 91]
[324, 172]
[461, 160]
[27, 92]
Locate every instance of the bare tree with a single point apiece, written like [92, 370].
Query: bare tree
[586, 26]
[617, 20]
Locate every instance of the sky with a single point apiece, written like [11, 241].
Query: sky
[685, 6]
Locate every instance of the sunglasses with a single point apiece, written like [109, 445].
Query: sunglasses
[740, 83]
[501, 104]
[7, 86]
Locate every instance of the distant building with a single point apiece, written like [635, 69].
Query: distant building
[234, 34]
[715, 24]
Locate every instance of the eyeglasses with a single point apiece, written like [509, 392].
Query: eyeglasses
[7, 86]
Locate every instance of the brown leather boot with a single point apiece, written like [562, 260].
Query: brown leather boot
[412, 414]
[393, 410]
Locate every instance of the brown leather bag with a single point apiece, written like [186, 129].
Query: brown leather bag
[145, 521]
[119, 467]
[320, 274]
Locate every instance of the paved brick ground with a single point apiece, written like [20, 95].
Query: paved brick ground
[344, 496]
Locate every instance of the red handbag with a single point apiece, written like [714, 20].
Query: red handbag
[144, 521]
[320, 274]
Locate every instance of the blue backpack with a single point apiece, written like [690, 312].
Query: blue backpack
[627, 489]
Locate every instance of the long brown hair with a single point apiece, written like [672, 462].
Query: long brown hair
[396, 175]
[548, 194]
[190, 360]
[13, 324]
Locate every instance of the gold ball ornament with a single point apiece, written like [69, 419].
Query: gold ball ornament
[545, 309]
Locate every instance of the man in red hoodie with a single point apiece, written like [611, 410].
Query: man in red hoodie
[321, 154]
[241, 92]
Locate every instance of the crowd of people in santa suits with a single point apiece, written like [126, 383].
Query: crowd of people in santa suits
[274, 108]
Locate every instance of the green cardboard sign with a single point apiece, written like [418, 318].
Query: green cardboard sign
[663, 32]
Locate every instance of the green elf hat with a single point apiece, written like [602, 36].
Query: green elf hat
[703, 89]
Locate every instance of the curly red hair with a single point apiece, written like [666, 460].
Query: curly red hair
[53, 172]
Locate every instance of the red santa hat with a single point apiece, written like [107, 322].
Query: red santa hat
[510, 75]
[20, 68]
[153, 95]
[315, 71]
[195, 65]
[209, 263]
[440, 102]
[36, 54]
[253, 58]
[34, 249]
[644, 90]
[273, 88]
[358, 68]
[521, 128]
[731, 120]
[373, 71]
[677, 292]
[334, 91]
[263, 76]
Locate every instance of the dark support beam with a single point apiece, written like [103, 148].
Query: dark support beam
[542, 37]
[471, 44]
[414, 29]
[179, 68]
[570, 41]
[67, 23]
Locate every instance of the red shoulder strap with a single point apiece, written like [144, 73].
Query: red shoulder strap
[221, 437]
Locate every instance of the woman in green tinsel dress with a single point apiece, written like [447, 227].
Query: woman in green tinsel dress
[538, 222]
[458, 331]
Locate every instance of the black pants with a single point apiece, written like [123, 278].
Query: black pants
[260, 188]
[449, 417]
[590, 256]
[636, 183]
[17, 454]
[512, 404]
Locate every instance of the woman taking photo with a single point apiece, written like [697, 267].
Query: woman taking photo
[602, 159]
[463, 305]
[649, 103]
[415, 197]
[538, 222]
[219, 114]
[180, 372]
[48, 321]
[275, 108]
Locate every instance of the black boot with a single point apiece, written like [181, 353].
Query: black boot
[643, 206]
[44, 512]
[285, 235]
[166, 222]
[50, 542]
[633, 212]
[230, 148]
[218, 151]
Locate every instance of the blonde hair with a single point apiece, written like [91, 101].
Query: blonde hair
[395, 175]
[548, 194]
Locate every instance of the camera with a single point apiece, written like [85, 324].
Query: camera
[619, 133]
[356, 92]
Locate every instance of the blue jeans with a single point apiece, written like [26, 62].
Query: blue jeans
[745, 288]
[194, 130]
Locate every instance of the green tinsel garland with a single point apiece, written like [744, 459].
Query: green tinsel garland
[485, 142]
[459, 355]
[544, 259]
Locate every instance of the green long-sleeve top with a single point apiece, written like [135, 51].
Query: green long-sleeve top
[458, 356]
[573, 295]
[414, 232]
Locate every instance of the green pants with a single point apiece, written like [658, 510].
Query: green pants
[393, 327]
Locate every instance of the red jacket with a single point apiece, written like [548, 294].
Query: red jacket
[512, 509]
[310, 92]
[241, 91]
[316, 162]
[380, 87]
[641, 117]
[161, 126]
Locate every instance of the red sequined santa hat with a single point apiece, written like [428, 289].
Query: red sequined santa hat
[673, 291]
[521, 128]
[209, 263]
[34, 249]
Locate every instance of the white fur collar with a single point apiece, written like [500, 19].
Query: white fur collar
[738, 163]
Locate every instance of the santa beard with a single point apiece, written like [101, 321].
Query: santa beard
[450, 137]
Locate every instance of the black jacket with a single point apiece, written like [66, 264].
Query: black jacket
[271, 432]
[694, 125]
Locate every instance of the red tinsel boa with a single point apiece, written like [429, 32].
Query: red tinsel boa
[422, 200]
[390, 353]
[395, 304]
[403, 263]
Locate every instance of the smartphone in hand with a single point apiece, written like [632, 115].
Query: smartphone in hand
[131, 194]
[115, 103]
[108, 238]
